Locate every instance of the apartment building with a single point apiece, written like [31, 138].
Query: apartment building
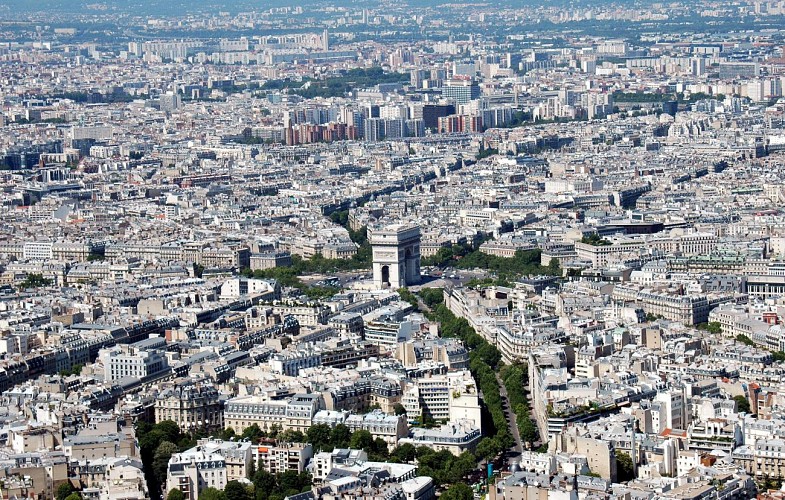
[282, 457]
[602, 255]
[455, 437]
[238, 287]
[516, 342]
[291, 362]
[296, 413]
[270, 260]
[449, 397]
[764, 459]
[390, 428]
[348, 324]
[323, 462]
[600, 453]
[694, 243]
[191, 406]
[54, 250]
[451, 352]
[195, 470]
[387, 332]
[673, 303]
[306, 315]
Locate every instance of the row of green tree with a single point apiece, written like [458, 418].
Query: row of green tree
[447, 255]
[516, 379]
[486, 152]
[654, 97]
[264, 486]
[160, 441]
[34, 280]
[95, 97]
[157, 443]
[484, 361]
[357, 78]
[620, 96]
[442, 466]
[596, 240]
[523, 263]
[289, 276]
[66, 491]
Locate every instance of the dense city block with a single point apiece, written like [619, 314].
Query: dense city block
[392, 251]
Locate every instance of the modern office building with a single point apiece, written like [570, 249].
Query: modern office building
[140, 360]
[461, 90]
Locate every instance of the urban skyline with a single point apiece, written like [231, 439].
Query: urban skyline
[360, 250]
